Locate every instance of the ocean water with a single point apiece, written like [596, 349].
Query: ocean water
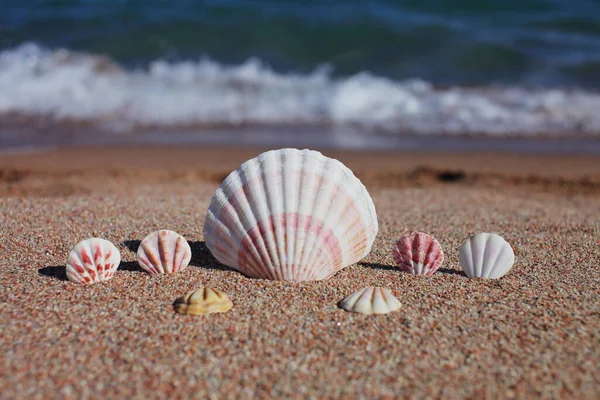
[384, 72]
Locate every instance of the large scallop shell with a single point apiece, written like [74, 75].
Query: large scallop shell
[418, 254]
[486, 255]
[292, 215]
[371, 300]
[164, 252]
[203, 301]
[92, 260]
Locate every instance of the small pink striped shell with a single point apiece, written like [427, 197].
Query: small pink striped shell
[92, 260]
[418, 254]
[164, 252]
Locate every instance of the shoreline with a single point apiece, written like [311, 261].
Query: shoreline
[81, 169]
[41, 134]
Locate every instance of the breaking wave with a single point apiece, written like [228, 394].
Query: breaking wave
[71, 86]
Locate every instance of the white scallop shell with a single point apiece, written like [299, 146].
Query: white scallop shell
[164, 252]
[371, 300]
[291, 215]
[93, 260]
[486, 255]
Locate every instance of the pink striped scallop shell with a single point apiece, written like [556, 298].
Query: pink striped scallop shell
[164, 252]
[292, 215]
[92, 260]
[418, 254]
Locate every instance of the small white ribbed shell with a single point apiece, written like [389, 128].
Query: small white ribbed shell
[164, 252]
[292, 215]
[371, 300]
[486, 255]
[93, 260]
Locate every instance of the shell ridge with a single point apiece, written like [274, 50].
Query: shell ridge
[185, 257]
[224, 257]
[303, 264]
[491, 266]
[238, 231]
[163, 250]
[267, 238]
[73, 272]
[148, 264]
[301, 198]
[178, 250]
[484, 266]
[220, 199]
[349, 301]
[366, 200]
[257, 255]
[393, 303]
[507, 252]
[329, 171]
[334, 216]
[256, 243]
[351, 230]
[299, 195]
[362, 198]
[294, 190]
[286, 228]
[314, 251]
[364, 298]
[93, 274]
[476, 265]
[98, 257]
[85, 272]
[296, 242]
[466, 256]
[405, 253]
[386, 299]
[279, 229]
[154, 262]
[416, 248]
[377, 302]
[307, 260]
[272, 269]
[396, 253]
[429, 258]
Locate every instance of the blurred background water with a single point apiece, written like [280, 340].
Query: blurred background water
[186, 70]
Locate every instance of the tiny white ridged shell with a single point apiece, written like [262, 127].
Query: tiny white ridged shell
[371, 300]
[93, 260]
[164, 252]
[486, 255]
[292, 215]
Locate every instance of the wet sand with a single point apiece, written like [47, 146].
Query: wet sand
[535, 332]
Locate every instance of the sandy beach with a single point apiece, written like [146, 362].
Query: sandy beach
[533, 333]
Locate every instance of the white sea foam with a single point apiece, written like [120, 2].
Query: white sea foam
[66, 85]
